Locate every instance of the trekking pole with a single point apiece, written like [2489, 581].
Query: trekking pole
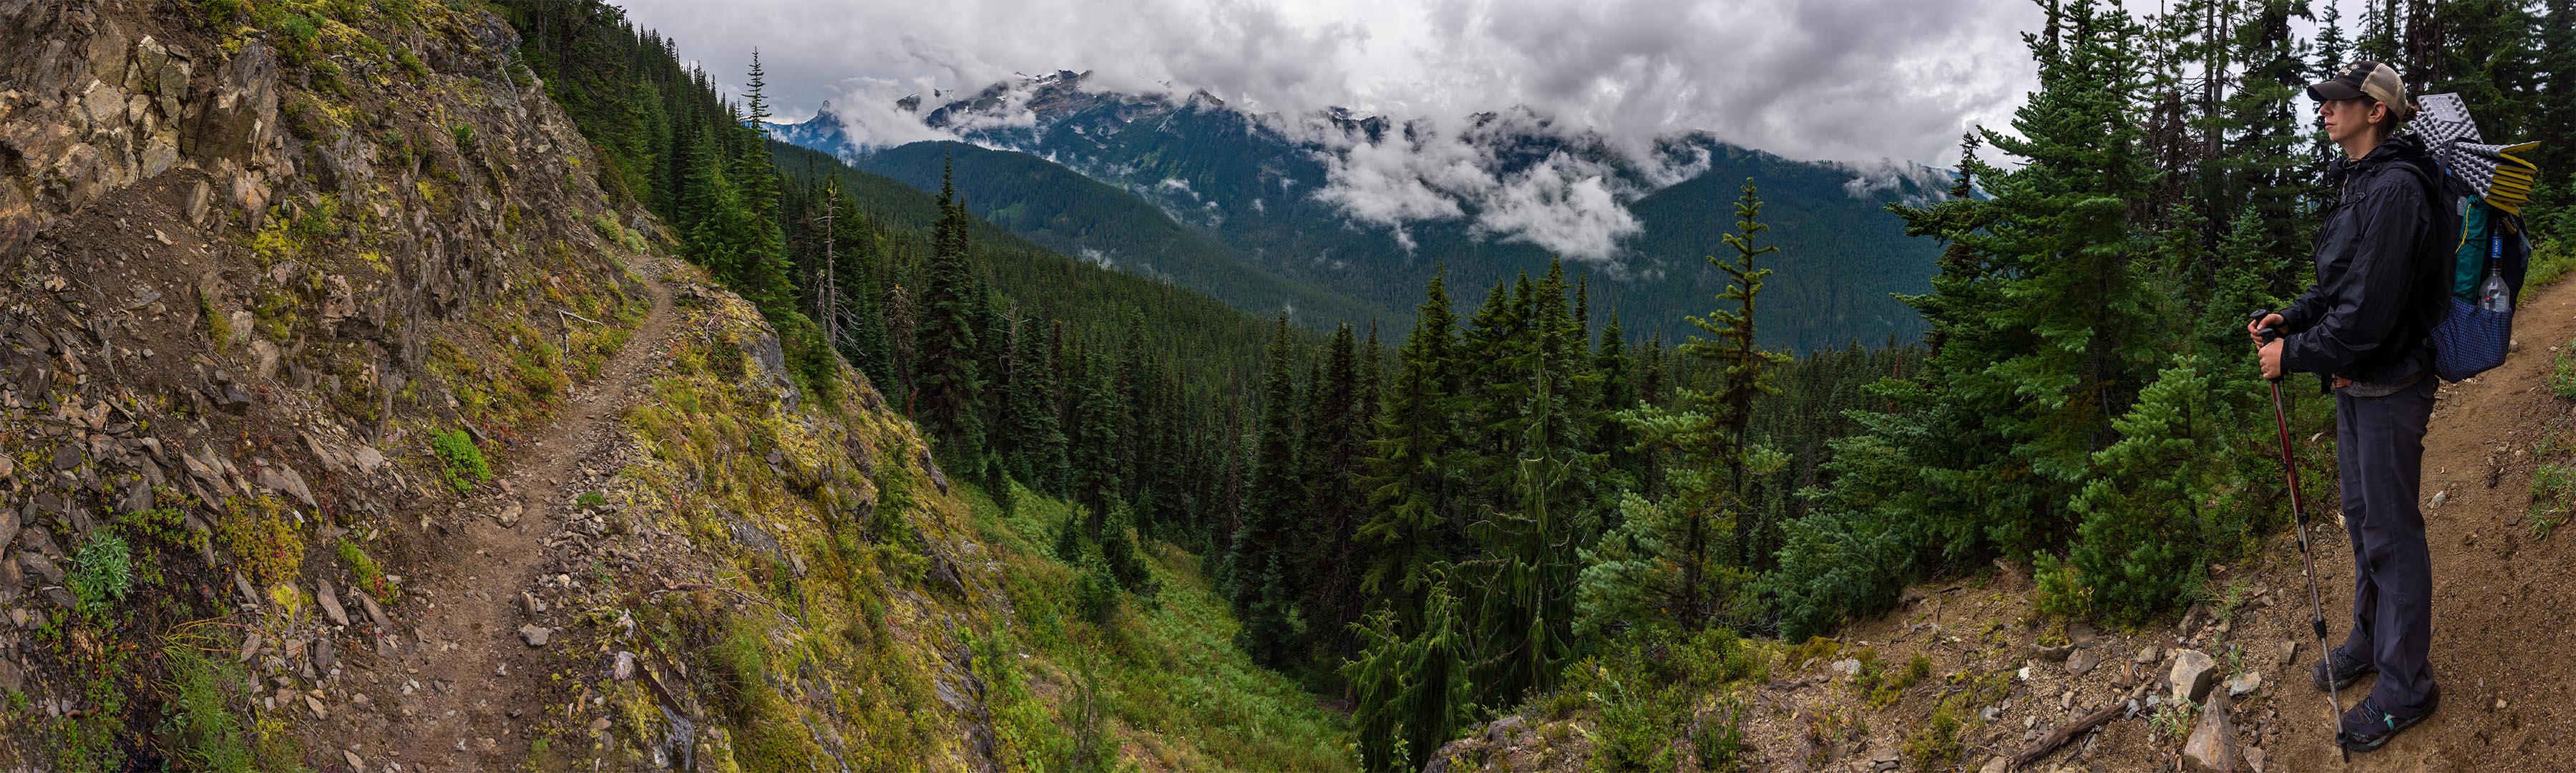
[2307, 559]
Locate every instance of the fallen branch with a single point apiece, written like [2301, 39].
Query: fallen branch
[580, 317]
[2068, 732]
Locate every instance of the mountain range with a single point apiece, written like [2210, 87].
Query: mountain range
[1334, 216]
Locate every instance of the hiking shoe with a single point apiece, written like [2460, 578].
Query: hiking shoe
[2367, 727]
[2339, 668]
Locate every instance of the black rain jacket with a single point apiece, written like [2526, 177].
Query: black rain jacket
[2383, 276]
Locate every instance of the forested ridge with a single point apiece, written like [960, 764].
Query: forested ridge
[1222, 201]
[1453, 521]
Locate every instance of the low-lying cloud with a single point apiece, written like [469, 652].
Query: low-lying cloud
[1808, 79]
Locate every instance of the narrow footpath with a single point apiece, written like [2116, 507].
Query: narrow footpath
[459, 686]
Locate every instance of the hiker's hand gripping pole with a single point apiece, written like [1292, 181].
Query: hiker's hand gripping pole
[2299, 519]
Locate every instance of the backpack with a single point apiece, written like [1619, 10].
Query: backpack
[2479, 194]
[2486, 274]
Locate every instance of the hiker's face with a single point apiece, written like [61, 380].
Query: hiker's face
[2346, 119]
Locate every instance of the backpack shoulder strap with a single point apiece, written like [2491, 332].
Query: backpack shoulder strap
[2444, 201]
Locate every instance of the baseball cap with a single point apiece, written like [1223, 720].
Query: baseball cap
[2366, 79]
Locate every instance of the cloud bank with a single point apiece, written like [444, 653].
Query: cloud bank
[1808, 79]
[1820, 80]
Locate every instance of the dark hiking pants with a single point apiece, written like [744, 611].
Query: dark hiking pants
[2379, 444]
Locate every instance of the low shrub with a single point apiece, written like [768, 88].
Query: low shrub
[102, 571]
[261, 534]
[371, 577]
[461, 463]
[1935, 745]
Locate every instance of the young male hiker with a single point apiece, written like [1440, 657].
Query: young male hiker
[2366, 329]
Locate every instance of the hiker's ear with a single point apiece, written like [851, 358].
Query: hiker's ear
[2379, 113]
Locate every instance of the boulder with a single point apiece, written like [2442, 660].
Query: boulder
[329, 598]
[2081, 661]
[2212, 746]
[238, 121]
[39, 565]
[375, 613]
[2192, 672]
[2244, 684]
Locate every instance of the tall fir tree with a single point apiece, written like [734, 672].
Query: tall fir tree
[1671, 555]
[1407, 478]
[1259, 564]
[1525, 615]
[1744, 365]
[1335, 502]
[948, 392]
[1093, 433]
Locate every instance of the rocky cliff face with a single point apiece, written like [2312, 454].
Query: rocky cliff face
[345, 424]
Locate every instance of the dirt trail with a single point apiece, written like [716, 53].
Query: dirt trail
[2504, 609]
[472, 681]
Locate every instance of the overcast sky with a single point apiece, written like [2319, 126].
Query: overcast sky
[1850, 80]
[1826, 79]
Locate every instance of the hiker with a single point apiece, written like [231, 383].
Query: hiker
[2365, 328]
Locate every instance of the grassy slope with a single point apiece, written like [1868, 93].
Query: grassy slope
[1180, 695]
[848, 641]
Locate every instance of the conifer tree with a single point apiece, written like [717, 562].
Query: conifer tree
[1037, 457]
[1526, 605]
[902, 347]
[1671, 554]
[949, 388]
[1406, 483]
[1094, 435]
[1412, 684]
[1650, 374]
[1260, 569]
[1132, 387]
[1745, 366]
[1335, 503]
[759, 103]
[2154, 518]
[2057, 372]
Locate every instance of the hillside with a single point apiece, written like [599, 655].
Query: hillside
[1076, 215]
[351, 425]
[1266, 187]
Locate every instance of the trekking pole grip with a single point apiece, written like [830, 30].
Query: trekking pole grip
[2267, 334]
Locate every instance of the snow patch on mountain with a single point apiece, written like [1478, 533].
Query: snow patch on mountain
[1516, 175]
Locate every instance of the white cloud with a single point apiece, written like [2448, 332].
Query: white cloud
[1564, 205]
[1809, 79]
[1885, 176]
